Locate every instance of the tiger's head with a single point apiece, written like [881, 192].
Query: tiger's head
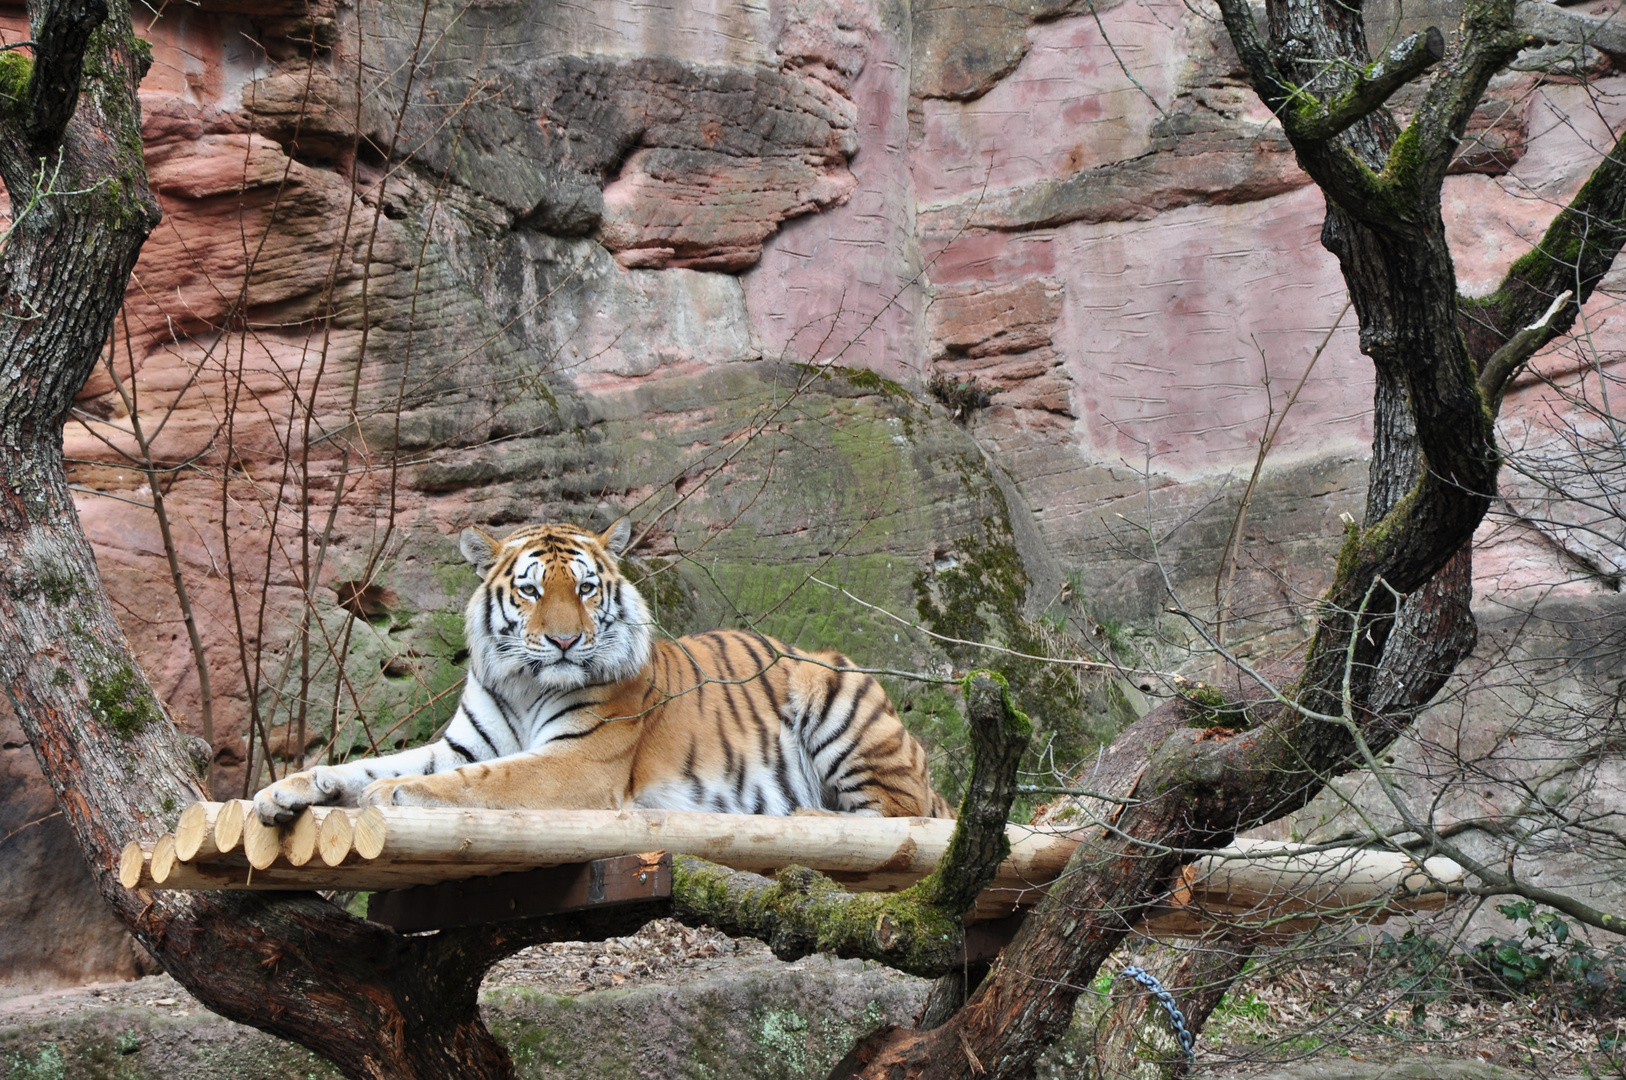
[553, 607]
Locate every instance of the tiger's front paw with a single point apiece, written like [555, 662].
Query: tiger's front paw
[398, 791]
[284, 800]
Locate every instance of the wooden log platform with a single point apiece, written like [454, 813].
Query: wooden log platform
[1267, 886]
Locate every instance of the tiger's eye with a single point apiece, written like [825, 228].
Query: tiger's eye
[585, 588]
[528, 591]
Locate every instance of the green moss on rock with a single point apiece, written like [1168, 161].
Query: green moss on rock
[861, 378]
[979, 596]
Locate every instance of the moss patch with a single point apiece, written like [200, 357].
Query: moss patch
[804, 912]
[978, 594]
[1206, 707]
[58, 587]
[401, 680]
[15, 72]
[121, 701]
[861, 378]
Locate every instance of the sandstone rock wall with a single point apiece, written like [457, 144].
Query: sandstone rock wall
[431, 265]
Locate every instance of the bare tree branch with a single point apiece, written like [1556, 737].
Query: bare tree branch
[60, 35]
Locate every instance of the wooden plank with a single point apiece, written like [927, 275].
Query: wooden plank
[549, 890]
[233, 872]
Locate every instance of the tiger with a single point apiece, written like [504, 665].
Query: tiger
[571, 702]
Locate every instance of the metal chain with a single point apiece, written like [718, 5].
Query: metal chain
[1166, 999]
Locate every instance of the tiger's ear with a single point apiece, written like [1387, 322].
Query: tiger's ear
[616, 538]
[479, 547]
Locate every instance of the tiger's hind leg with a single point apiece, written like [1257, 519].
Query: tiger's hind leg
[865, 760]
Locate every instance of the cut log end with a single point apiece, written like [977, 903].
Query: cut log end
[370, 832]
[229, 824]
[131, 862]
[163, 858]
[333, 839]
[260, 842]
[195, 828]
[299, 840]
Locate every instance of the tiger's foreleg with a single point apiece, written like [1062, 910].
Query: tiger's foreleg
[581, 774]
[342, 785]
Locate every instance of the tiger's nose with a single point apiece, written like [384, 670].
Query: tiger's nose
[564, 643]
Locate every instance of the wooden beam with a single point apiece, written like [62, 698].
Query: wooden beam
[1252, 884]
[552, 890]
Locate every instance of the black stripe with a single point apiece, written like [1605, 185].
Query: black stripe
[764, 753]
[763, 663]
[698, 789]
[569, 707]
[490, 601]
[901, 793]
[728, 689]
[509, 714]
[457, 748]
[835, 779]
[858, 731]
[842, 727]
[480, 731]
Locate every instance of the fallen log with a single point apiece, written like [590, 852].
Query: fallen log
[1270, 887]
[1263, 886]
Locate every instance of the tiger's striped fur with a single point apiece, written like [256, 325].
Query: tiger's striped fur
[571, 703]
